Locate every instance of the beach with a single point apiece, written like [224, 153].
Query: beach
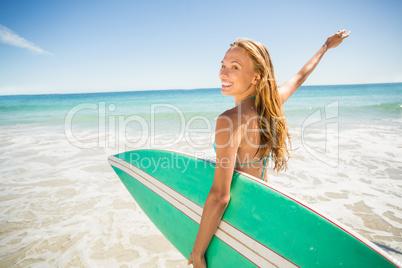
[62, 205]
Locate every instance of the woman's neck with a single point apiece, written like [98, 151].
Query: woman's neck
[245, 100]
[247, 95]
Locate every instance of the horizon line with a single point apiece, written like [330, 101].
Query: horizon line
[180, 89]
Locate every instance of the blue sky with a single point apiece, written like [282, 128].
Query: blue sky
[96, 46]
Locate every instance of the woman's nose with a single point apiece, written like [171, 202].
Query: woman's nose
[223, 73]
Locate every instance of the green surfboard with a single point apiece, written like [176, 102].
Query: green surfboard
[261, 227]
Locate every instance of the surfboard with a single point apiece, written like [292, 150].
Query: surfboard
[261, 227]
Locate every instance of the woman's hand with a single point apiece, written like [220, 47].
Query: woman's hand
[335, 39]
[197, 262]
[288, 88]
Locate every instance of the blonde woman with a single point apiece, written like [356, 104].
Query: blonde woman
[255, 130]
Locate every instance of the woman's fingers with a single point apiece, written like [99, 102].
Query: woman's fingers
[337, 38]
[341, 34]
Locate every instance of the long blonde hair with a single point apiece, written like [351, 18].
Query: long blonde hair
[272, 122]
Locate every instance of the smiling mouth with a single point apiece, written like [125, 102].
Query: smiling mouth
[225, 85]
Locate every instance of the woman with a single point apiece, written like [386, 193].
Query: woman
[253, 130]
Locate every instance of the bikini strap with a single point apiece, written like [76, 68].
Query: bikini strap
[246, 99]
[265, 165]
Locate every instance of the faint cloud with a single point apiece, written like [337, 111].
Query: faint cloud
[9, 37]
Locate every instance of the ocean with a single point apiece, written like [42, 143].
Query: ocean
[62, 205]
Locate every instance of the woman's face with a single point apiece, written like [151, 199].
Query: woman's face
[237, 72]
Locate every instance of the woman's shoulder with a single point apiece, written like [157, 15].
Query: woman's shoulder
[231, 115]
[239, 115]
[233, 118]
[227, 126]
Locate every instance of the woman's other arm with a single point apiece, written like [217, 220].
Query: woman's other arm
[219, 195]
[288, 88]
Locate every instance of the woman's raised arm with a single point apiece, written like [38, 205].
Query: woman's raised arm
[288, 88]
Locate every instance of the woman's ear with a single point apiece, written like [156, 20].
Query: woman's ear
[256, 78]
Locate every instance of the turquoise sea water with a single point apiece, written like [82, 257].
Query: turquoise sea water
[168, 117]
[354, 103]
[62, 205]
[366, 102]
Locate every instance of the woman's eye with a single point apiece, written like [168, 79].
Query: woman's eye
[235, 68]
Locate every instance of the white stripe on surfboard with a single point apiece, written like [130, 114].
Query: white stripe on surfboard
[248, 247]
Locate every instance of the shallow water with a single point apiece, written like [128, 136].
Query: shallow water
[63, 206]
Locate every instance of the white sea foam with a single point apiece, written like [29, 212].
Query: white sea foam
[64, 206]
